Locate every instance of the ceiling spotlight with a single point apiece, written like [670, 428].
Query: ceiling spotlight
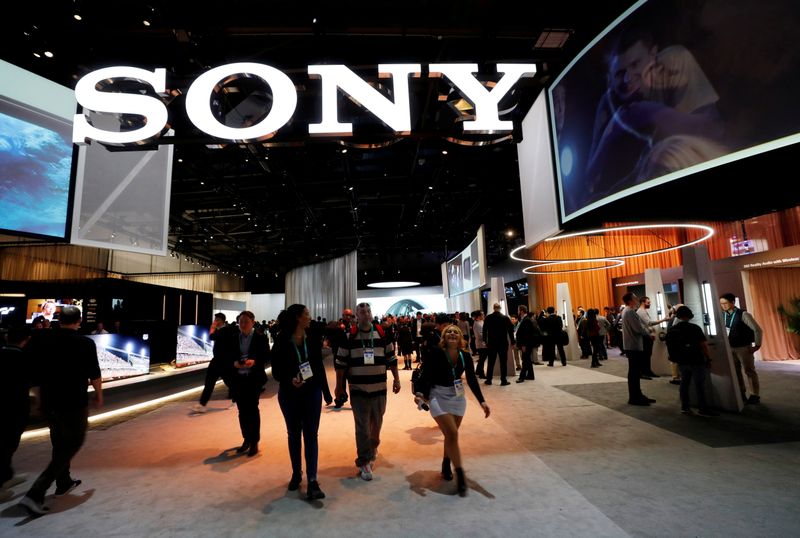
[510, 233]
[314, 21]
[344, 151]
[430, 187]
[48, 54]
[146, 22]
[350, 188]
[77, 17]
[180, 160]
[444, 152]
[202, 182]
[37, 54]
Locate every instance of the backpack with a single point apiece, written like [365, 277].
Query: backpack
[682, 344]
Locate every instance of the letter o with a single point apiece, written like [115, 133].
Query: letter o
[284, 101]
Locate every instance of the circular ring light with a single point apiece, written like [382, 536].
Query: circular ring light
[398, 284]
[709, 231]
[611, 262]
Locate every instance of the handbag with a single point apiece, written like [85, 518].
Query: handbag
[417, 385]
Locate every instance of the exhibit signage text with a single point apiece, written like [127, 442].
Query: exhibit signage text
[395, 114]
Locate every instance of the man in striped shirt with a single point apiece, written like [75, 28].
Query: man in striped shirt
[363, 361]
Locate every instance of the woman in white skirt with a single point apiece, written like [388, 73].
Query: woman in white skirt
[443, 375]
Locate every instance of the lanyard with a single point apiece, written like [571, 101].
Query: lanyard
[297, 350]
[453, 365]
[729, 320]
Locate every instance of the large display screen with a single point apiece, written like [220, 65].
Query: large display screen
[672, 88]
[194, 346]
[467, 271]
[50, 309]
[121, 356]
[35, 153]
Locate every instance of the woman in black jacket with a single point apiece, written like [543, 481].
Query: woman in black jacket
[443, 391]
[299, 370]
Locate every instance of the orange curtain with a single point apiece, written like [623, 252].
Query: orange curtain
[770, 288]
[592, 289]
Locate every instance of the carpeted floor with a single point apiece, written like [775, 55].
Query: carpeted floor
[560, 456]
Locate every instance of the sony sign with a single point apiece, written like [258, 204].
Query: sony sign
[395, 114]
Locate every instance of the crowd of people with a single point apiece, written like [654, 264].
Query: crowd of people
[365, 350]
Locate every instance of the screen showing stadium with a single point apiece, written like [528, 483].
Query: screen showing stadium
[121, 356]
[194, 346]
[35, 153]
[467, 271]
[672, 88]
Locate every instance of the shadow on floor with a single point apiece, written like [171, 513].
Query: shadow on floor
[422, 482]
[429, 435]
[226, 460]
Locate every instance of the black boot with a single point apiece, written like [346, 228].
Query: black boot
[461, 482]
[447, 472]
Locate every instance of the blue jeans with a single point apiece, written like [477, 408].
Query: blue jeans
[693, 374]
[301, 410]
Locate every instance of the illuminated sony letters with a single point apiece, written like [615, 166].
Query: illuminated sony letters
[395, 114]
[485, 101]
[154, 111]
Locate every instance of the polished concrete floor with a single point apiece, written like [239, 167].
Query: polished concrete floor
[560, 456]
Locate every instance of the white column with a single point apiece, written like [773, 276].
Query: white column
[701, 296]
[564, 309]
[654, 288]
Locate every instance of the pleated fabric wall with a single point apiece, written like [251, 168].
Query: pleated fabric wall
[325, 288]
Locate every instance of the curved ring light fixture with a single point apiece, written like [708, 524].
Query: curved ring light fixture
[612, 262]
[709, 231]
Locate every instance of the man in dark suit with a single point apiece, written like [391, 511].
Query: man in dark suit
[528, 338]
[245, 352]
[552, 326]
[498, 331]
[15, 381]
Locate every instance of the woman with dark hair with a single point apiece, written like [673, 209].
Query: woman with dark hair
[443, 391]
[298, 369]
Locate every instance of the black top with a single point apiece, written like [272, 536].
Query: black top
[683, 343]
[552, 326]
[64, 362]
[528, 333]
[740, 335]
[286, 364]
[498, 330]
[15, 377]
[438, 370]
[227, 352]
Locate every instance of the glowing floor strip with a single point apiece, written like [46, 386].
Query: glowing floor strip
[34, 434]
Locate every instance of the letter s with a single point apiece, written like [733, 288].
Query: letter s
[153, 110]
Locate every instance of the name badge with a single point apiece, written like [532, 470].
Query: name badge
[305, 371]
[369, 356]
[459, 386]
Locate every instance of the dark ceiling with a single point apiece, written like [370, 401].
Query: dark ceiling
[406, 204]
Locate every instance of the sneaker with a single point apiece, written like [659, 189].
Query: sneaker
[15, 480]
[365, 472]
[687, 411]
[34, 507]
[199, 408]
[60, 492]
[707, 413]
[314, 493]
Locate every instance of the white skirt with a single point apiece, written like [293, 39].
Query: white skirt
[443, 401]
